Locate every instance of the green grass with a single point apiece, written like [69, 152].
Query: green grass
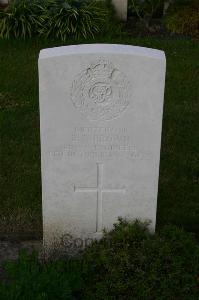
[20, 205]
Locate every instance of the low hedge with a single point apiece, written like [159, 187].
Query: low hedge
[128, 263]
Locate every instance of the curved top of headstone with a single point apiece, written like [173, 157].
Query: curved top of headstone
[101, 48]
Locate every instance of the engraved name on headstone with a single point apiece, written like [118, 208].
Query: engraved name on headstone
[100, 117]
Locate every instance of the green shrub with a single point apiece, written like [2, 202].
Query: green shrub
[55, 18]
[184, 18]
[128, 263]
[74, 18]
[21, 19]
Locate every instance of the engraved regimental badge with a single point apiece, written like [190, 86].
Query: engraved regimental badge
[101, 91]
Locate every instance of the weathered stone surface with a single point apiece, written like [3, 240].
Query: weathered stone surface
[101, 117]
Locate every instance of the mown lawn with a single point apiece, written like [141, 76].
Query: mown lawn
[20, 205]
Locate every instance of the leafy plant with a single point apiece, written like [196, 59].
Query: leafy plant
[74, 18]
[130, 263]
[20, 19]
[56, 18]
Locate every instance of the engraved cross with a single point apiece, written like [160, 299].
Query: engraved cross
[99, 190]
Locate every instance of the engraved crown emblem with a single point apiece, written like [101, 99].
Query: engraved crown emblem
[101, 91]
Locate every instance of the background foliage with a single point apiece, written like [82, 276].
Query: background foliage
[56, 18]
[86, 18]
[20, 19]
[177, 16]
[183, 17]
[74, 18]
[145, 10]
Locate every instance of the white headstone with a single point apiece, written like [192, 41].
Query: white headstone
[101, 117]
[121, 8]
